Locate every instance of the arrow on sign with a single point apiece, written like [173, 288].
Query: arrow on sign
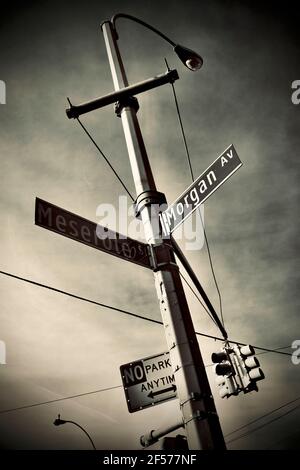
[165, 390]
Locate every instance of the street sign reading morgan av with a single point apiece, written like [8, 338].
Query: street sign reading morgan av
[148, 382]
[218, 172]
[73, 226]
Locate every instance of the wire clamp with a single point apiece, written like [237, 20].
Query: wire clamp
[201, 415]
[194, 396]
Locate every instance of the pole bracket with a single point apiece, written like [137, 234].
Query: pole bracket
[195, 396]
[128, 102]
[147, 198]
[201, 415]
[163, 257]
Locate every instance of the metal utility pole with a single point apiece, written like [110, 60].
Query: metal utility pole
[200, 419]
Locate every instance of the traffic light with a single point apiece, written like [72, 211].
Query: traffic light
[225, 372]
[247, 367]
[237, 370]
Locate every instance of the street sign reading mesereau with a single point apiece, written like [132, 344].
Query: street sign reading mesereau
[148, 382]
[73, 226]
[218, 172]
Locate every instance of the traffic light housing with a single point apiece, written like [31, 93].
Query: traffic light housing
[237, 370]
[247, 367]
[225, 372]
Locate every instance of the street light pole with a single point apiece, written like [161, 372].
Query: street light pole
[200, 419]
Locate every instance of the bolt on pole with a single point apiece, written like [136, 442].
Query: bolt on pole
[199, 414]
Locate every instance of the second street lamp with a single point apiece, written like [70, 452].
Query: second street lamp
[58, 422]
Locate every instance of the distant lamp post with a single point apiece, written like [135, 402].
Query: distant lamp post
[59, 422]
[191, 59]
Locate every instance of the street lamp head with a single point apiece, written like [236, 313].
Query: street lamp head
[190, 59]
[59, 421]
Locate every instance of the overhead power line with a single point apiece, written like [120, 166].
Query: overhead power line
[264, 424]
[19, 408]
[275, 350]
[262, 416]
[59, 399]
[126, 312]
[78, 297]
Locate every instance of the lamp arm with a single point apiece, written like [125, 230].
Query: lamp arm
[137, 20]
[87, 434]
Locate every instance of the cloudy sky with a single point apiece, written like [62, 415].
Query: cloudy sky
[58, 346]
